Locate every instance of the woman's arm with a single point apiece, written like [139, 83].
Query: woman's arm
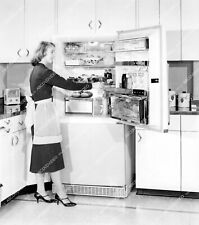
[55, 80]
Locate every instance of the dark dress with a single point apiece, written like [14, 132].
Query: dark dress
[48, 157]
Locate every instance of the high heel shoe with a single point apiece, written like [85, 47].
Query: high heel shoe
[69, 204]
[38, 196]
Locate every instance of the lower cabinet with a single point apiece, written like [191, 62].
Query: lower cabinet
[13, 163]
[190, 161]
[158, 160]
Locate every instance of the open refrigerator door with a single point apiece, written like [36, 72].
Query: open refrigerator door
[140, 97]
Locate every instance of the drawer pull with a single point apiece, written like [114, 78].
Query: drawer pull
[4, 128]
[7, 122]
[21, 122]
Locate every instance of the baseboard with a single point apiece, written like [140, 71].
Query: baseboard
[165, 193]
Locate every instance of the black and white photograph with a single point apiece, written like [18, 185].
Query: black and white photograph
[99, 112]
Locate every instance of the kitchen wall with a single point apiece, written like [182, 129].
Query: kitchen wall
[14, 75]
[181, 76]
[3, 78]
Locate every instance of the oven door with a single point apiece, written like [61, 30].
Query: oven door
[132, 109]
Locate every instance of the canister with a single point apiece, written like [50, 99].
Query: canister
[184, 100]
[172, 98]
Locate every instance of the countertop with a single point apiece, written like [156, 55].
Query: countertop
[184, 112]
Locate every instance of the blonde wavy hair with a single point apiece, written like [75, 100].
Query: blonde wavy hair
[41, 52]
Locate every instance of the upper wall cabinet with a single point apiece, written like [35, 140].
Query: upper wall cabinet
[23, 24]
[12, 29]
[40, 22]
[81, 17]
[190, 30]
[75, 17]
[147, 13]
[171, 21]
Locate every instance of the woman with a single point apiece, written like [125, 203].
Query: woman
[46, 154]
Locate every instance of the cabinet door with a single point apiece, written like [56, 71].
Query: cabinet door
[170, 19]
[40, 22]
[12, 29]
[6, 166]
[158, 160]
[18, 151]
[76, 17]
[112, 16]
[148, 13]
[190, 165]
[190, 30]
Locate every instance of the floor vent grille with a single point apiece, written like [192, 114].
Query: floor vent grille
[106, 191]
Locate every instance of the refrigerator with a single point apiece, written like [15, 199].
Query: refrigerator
[97, 165]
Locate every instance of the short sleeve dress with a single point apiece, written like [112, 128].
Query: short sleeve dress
[46, 153]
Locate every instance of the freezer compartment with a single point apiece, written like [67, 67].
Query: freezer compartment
[129, 108]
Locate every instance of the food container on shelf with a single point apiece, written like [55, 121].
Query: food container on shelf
[172, 98]
[184, 100]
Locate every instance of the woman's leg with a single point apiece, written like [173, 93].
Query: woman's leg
[40, 185]
[56, 178]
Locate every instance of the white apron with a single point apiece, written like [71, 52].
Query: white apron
[45, 121]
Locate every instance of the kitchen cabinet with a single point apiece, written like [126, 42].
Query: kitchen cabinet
[24, 24]
[12, 30]
[190, 166]
[158, 158]
[13, 149]
[91, 16]
[190, 153]
[170, 19]
[147, 13]
[12, 164]
[40, 22]
[190, 30]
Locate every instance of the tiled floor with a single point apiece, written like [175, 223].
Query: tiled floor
[134, 210]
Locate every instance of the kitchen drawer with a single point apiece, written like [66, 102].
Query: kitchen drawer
[174, 123]
[190, 122]
[17, 123]
[12, 124]
[5, 126]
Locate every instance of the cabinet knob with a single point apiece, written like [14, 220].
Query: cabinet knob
[100, 24]
[90, 24]
[14, 140]
[4, 128]
[24, 52]
[18, 52]
[7, 121]
[21, 122]
[140, 137]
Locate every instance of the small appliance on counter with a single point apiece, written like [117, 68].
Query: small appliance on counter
[11, 96]
[11, 109]
[184, 101]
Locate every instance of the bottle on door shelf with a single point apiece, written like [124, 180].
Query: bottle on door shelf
[129, 81]
[124, 81]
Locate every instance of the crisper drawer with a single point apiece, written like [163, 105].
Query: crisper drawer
[129, 108]
[190, 122]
